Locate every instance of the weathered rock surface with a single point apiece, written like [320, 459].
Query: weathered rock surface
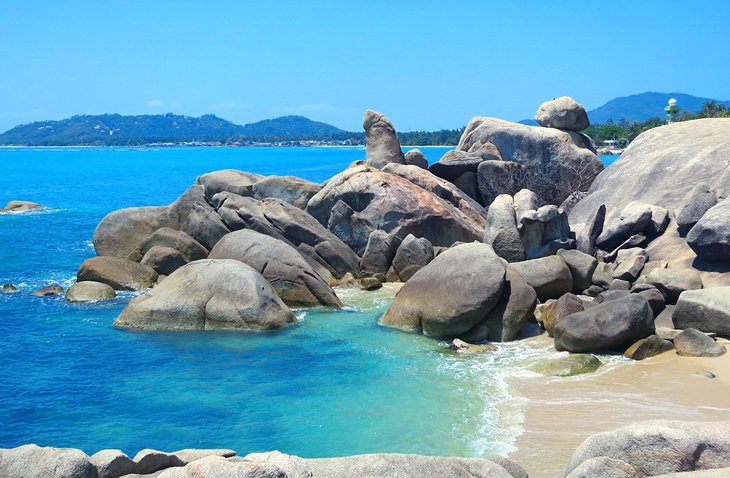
[189, 455]
[558, 310]
[611, 325]
[150, 461]
[660, 446]
[412, 255]
[586, 239]
[86, 291]
[120, 274]
[293, 279]
[218, 467]
[381, 143]
[648, 347]
[113, 464]
[581, 265]
[32, 461]
[189, 248]
[456, 163]
[379, 252]
[20, 206]
[549, 276]
[121, 231]
[524, 200]
[630, 268]
[603, 274]
[672, 282]
[164, 260]
[545, 231]
[695, 204]
[49, 291]
[450, 295]
[415, 157]
[562, 113]
[710, 237]
[693, 343]
[208, 294]
[290, 189]
[573, 364]
[707, 310]
[501, 230]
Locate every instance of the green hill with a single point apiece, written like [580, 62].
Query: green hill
[643, 106]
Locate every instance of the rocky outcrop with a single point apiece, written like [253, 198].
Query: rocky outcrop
[707, 310]
[710, 237]
[415, 157]
[657, 447]
[206, 295]
[451, 295]
[119, 273]
[582, 266]
[562, 113]
[87, 291]
[32, 461]
[293, 279]
[611, 325]
[20, 206]
[362, 199]
[189, 248]
[381, 143]
[547, 161]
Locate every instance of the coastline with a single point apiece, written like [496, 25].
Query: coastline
[560, 413]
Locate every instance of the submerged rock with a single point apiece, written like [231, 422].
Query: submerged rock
[9, 288]
[573, 364]
[208, 294]
[20, 206]
[49, 291]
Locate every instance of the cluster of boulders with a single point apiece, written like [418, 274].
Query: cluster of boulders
[20, 206]
[657, 448]
[83, 291]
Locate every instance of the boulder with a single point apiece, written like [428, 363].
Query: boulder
[412, 255]
[672, 282]
[545, 231]
[86, 291]
[205, 295]
[205, 225]
[501, 230]
[604, 467]
[694, 205]
[189, 455]
[593, 291]
[293, 279]
[549, 276]
[149, 461]
[693, 343]
[362, 199]
[626, 254]
[634, 219]
[619, 284]
[549, 162]
[513, 311]
[415, 157]
[630, 268]
[710, 237]
[229, 180]
[451, 294]
[581, 265]
[33, 461]
[603, 275]
[512, 467]
[379, 252]
[219, 467]
[467, 183]
[611, 325]
[164, 260]
[370, 283]
[49, 291]
[9, 288]
[656, 300]
[558, 310]
[562, 113]
[458, 345]
[655, 447]
[573, 364]
[290, 189]
[648, 347]
[456, 163]
[524, 200]
[707, 310]
[119, 273]
[120, 232]
[20, 206]
[611, 295]
[382, 145]
[113, 464]
[189, 248]
[586, 239]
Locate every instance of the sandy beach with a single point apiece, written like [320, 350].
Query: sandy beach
[561, 412]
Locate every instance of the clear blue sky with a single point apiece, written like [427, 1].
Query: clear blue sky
[427, 65]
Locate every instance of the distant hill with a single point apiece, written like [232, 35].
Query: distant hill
[643, 106]
[115, 129]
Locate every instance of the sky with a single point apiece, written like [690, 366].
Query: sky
[427, 65]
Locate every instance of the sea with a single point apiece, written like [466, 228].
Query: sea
[334, 384]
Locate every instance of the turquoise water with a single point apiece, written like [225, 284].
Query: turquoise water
[334, 384]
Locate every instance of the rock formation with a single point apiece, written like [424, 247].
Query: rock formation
[562, 113]
[382, 145]
[20, 206]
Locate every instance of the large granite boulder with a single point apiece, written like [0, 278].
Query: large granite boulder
[548, 161]
[33, 461]
[229, 180]
[164, 260]
[549, 276]
[290, 189]
[707, 310]
[710, 237]
[87, 291]
[695, 204]
[545, 231]
[379, 253]
[672, 282]
[362, 199]
[149, 461]
[693, 343]
[381, 143]
[113, 464]
[586, 238]
[20, 206]
[450, 295]
[501, 230]
[656, 447]
[412, 255]
[556, 311]
[120, 232]
[206, 295]
[582, 266]
[648, 347]
[189, 248]
[415, 157]
[293, 279]
[120, 274]
[562, 113]
[610, 325]
[455, 163]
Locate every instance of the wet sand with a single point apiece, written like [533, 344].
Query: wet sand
[561, 412]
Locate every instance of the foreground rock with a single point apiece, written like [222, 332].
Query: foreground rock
[20, 206]
[563, 113]
[32, 461]
[611, 325]
[119, 273]
[207, 295]
[707, 310]
[657, 447]
[710, 237]
[293, 279]
[451, 295]
[381, 143]
[113, 464]
[573, 364]
[693, 343]
[87, 291]
[648, 347]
